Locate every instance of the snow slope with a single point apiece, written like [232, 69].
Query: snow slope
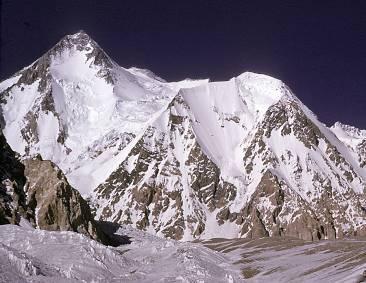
[218, 107]
[354, 139]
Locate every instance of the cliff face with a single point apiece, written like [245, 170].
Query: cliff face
[56, 205]
[13, 203]
[37, 191]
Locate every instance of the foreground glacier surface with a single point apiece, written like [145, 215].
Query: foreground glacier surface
[31, 255]
[294, 260]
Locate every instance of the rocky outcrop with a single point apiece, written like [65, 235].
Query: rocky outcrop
[13, 203]
[56, 205]
[275, 210]
[37, 191]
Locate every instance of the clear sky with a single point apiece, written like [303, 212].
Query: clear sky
[317, 47]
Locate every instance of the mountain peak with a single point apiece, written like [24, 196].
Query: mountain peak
[79, 33]
[81, 40]
[78, 38]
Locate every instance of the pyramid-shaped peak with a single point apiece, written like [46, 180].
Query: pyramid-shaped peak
[81, 41]
[65, 49]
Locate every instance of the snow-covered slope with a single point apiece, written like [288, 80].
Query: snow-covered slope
[190, 159]
[28, 255]
[354, 138]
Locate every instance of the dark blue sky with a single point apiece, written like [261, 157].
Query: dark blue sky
[317, 47]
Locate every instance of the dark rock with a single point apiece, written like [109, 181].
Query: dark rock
[56, 205]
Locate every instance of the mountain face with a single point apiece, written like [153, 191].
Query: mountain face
[189, 159]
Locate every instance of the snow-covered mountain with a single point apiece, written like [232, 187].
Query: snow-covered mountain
[78, 108]
[189, 159]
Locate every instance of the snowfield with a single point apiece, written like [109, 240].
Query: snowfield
[293, 260]
[30, 255]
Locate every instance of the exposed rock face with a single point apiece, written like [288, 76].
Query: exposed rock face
[56, 205]
[275, 210]
[12, 197]
[39, 192]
